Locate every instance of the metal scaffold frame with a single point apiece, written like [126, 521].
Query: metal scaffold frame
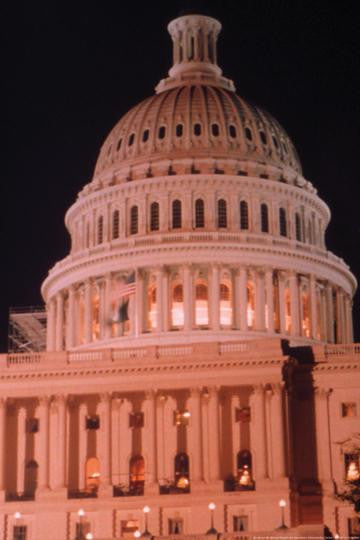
[27, 329]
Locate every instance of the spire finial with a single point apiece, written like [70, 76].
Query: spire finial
[194, 53]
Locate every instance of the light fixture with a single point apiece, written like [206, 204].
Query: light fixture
[81, 513]
[137, 533]
[89, 536]
[17, 515]
[282, 504]
[146, 532]
[212, 529]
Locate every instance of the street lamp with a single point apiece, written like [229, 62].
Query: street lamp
[282, 504]
[81, 514]
[212, 529]
[17, 516]
[89, 536]
[137, 534]
[146, 532]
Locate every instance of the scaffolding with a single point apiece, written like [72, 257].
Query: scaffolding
[27, 329]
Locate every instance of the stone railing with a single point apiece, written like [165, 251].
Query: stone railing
[343, 351]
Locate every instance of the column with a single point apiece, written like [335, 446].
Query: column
[159, 299]
[194, 435]
[59, 332]
[281, 281]
[242, 299]
[338, 315]
[61, 436]
[213, 433]
[103, 316]
[165, 301]
[269, 287]
[170, 437]
[132, 305]
[259, 300]
[21, 442]
[125, 441]
[2, 441]
[330, 313]
[268, 434]
[103, 443]
[115, 441]
[88, 311]
[294, 303]
[139, 299]
[188, 298]
[82, 444]
[50, 330]
[70, 342]
[258, 432]
[313, 306]
[160, 437]
[107, 309]
[43, 440]
[149, 438]
[323, 443]
[277, 432]
[215, 298]
[323, 317]
[206, 464]
[236, 432]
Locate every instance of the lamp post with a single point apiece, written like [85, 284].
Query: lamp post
[81, 514]
[137, 534]
[89, 536]
[282, 504]
[146, 532]
[17, 516]
[212, 529]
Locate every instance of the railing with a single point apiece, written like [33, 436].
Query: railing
[340, 351]
[82, 494]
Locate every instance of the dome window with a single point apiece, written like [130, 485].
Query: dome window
[232, 131]
[215, 130]
[282, 222]
[179, 130]
[244, 215]
[131, 139]
[134, 220]
[275, 141]
[263, 137]
[115, 225]
[264, 211]
[222, 214]
[118, 146]
[162, 132]
[145, 135]
[197, 129]
[199, 214]
[176, 214]
[201, 305]
[154, 216]
[109, 150]
[100, 230]
[298, 227]
[284, 147]
[248, 134]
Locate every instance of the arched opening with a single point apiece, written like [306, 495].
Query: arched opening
[95, 303]
[225, 305]
[100, 230]
[201, 304]
[176, 214]
[298, 227]
[134, 220]
[244, 467]
[115, 224]
[137, 475]
[305, 308]
[250, 305]
[244, 215]
[92, 474]
[282, 222]
[31, 476]
[199, 214]
[264, 211]
[287, 309]
[154, 216]
[222, 214]
[177, 306]
[182, 474]
[152, 307]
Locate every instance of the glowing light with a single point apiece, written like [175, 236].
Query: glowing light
[81, 512]
[89, 536]
[201, 313]
[245, 477]
[212, 506]
[146, 509]
[183, 482]
[17, 515]
[282, 503]
[177, 314]
[353, 472]
[137, 534]
[225, 313]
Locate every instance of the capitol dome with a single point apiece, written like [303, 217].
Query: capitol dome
[197, 221]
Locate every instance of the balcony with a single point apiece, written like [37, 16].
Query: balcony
[82, 493]
[133, 490]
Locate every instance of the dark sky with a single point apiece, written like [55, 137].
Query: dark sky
[70, 71]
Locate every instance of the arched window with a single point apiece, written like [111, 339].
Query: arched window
[298, 227]
[154, 216]
[176, 214]
[92, 474]
[115, 224]
[177, 306]
[225, 305]
[137, 475]
[287, 308]
[152, 307]
[215, 130]
[100, 230]
[282, 222]
[197, 129]
[201, 305]
[179, 130]
[222, 214]
[305, 309]
[134, 221]
[244, 215]
[264, 211]
[244, 466]
[182, 473]
[199, 214]
[232, 131]
[250, 304]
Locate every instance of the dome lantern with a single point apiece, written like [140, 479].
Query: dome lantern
[194, 53]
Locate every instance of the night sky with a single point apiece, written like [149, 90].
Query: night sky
[70, 71]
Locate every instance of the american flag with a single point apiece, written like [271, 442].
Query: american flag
[128, 287]
[123, 291]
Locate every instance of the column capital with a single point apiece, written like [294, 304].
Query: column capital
[195, 391]
[258, 390]
[150, 394]
[322, 392]
[105, 397]
[44, 401]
